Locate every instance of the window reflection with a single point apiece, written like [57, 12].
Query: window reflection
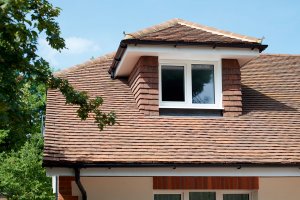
[203, 87]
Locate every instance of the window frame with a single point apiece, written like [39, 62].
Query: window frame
[187, 104]
[250, 192]
[169, 192]
[219, 192]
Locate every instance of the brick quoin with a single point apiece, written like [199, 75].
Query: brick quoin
[231, 85]
[65, 188]
[143, 82]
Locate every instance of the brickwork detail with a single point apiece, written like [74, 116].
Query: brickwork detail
[232, 95]
[143, 82]
[65, 188]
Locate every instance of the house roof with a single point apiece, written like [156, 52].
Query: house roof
[179, 32]
[268, 132]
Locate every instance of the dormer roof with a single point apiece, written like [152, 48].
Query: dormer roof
[181, 33]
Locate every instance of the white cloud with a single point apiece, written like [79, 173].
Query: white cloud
[74, 46]
[48, 53]
[77, 45]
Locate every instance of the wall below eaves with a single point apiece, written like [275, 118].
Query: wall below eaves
[279, 188]
[116, 188]
[141, 188]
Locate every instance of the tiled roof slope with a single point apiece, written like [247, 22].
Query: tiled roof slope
[267, 133]
[181, 30]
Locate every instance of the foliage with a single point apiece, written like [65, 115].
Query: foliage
[22, 175]
[22, 23]
[24, 79]
[3, 135]
[31, 109]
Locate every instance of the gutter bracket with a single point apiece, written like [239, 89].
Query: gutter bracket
[78, 183]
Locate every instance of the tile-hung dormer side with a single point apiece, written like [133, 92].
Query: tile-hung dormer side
[231, 88]
[143, 82]
[183, 68]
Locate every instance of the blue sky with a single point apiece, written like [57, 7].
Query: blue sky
[93, 28]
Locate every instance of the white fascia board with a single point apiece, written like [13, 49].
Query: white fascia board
[133, 53]
[191, 50]
[124, 57]
[180, 171]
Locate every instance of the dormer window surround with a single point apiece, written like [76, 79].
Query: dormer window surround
[190, 84]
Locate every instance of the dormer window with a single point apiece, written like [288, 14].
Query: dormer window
[190, 84]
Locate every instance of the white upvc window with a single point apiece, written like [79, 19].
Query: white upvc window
[168, 195]
[203, 195]
[190, 84]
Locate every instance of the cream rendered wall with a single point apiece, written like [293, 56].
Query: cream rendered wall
[116, 188]
[281, 188]
[140, 188]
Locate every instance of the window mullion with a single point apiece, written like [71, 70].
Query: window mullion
[188, 83]
[219, 195]
[218, 83]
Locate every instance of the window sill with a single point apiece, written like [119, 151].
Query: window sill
[208, 107]
[190, 112]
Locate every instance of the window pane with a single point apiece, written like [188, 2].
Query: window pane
[172, 79]
[202, 196]
[167, 196]
[203, 86]
[235, 196]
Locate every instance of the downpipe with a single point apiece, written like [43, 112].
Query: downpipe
[78, 183]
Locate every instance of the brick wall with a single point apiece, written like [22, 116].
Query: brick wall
[232, 95]
[143, 82]
[65, 188]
